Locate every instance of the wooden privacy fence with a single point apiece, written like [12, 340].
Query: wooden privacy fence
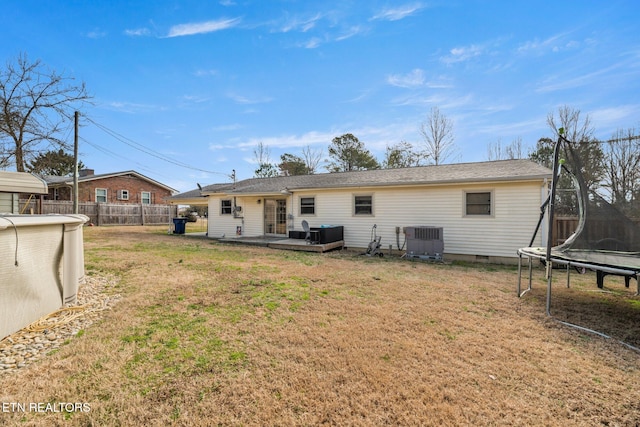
[564, 226]
[108, 213]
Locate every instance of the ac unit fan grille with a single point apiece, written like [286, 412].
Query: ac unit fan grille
[427, 233]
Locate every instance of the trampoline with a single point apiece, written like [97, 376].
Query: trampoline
[605, 240]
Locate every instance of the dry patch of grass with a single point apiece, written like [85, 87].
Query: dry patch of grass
[209, 334]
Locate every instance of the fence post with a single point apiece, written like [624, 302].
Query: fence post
[142, 213]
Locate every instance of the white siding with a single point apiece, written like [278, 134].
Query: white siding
[253, 215]
[516, 209]
[218, 224]
[9, 203]
[251, 219]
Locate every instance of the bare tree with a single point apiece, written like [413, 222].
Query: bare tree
[261, 155]
[512, 151]
[437, 132]
[622, 160]
[568, 119]
[312, 159]
[36, 107]
[579, 131]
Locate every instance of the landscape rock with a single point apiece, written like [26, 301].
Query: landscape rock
[28, 345]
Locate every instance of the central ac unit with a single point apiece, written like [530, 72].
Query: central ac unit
[424, 242]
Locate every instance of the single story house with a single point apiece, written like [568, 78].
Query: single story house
[15, 184]
[487, 210]
[128, 187]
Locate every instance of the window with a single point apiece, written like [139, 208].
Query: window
[225, 207]
[101, 195]
[363, 205]
[478, 203]
[146, 198]
[307, 205]
[123, 194]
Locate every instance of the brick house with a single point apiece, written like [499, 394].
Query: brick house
[128, 187]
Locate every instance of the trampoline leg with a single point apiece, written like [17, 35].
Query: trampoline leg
[519, 273]
[520, 292]
[600, 279]
[530, 273]
[568, 276]
[549, 293]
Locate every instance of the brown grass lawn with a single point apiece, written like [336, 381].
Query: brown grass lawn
[210, 334]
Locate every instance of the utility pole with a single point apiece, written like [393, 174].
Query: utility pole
[75, 164]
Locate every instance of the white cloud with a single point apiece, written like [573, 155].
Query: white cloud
[440, 82]
[449, 102]
[363, 95]
[353, 31]
[96, 34]
[612, 118]
[292, 141]
[556, 83]
[398, 13]
[240, 99]
[138, 32]
[131, 107]
[202, 27]
[414, 79]
[312, 43]
[461, 54]
[300, 24]
[556, 43]
[195, 99]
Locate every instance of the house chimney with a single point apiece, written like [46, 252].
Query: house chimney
[85, 172]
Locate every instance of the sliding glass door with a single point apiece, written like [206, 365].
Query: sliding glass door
[275, 216]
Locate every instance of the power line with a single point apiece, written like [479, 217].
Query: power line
[147, 150]
[115, 155]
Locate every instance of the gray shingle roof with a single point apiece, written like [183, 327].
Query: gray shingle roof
[68, 180]
[501, 170]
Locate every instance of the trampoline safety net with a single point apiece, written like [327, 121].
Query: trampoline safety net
[605, 239]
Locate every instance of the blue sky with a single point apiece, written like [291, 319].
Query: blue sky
[201, 83]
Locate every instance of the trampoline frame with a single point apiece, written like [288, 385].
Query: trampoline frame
[569, 263]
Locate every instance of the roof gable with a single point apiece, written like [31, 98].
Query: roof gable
[68, 180]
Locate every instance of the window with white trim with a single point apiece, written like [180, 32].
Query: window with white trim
[307, 205]
[225, 207]
[145, 198]
[363, 205]
[101, 195]
[123, 194]
[478, 203]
